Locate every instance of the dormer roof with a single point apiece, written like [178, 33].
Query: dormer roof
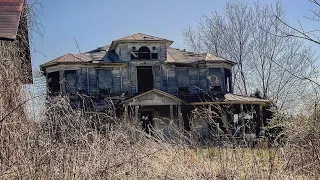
[139, 37]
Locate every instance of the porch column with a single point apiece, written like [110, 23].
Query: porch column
[125, 112]
[242, 119]
[136, 109]
[261, 120]
[171, 112]
[179, 116]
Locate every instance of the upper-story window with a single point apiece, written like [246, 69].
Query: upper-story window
[144, 53]
[214, 79]
[71, 81]
[104, 81]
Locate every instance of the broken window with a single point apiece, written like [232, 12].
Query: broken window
[71, 81]
[144, 53]
[53, 82]
[104, 81]
[145, 78]
[214, 79]
[154, 55]
[183, 80]
[228, 80]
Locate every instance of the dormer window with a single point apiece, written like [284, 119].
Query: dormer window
[134, 48]
[154, 48]
[144, 53]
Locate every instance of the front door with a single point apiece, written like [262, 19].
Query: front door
[145, 78]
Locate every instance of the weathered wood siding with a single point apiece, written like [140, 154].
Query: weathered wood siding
[133, 79]
[93, 90]
[203, 78]
[116, 75]
[157, 77]
[84, 80]
[172, 80]
[105, 81]
[124, 53]
[162, 52]
[125, 80]
[194, 84]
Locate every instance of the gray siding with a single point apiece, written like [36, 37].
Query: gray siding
[162, 53]
[116, 80]
[157, 77]
[124, 53]
[203, 79]
[172, 81]
[194, 85]
[125, 80]
[133, 79]
[84, 80]
[93, 90]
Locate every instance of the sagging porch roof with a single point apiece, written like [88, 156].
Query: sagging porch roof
[149, 98]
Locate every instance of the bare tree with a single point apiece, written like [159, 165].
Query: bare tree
[266, 62]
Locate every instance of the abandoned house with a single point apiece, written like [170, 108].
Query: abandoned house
[15, 59]
[144, 78]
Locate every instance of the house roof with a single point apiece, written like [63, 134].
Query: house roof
[230, 98]
[104, 55]
[182, 56]
[154, 91]
[10, 12]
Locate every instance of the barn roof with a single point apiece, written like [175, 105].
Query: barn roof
[10, 12]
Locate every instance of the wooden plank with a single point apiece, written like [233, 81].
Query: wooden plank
[157, 77]
[116, 77]
[172, 81]
[125, 80]
[162, 52]
[93, 88]
[203, 79]
[84, 80]
[193, 73]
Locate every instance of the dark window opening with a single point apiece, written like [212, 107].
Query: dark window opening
[133, 48]
[145, 78]
[183, 81]
[154, 55]
[228, 80]
[71, 81]
[154, 48]
[214, 79]
[104, 81]
[144, 53]
[53, 82]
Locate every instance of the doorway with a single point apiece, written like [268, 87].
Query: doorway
[145, 78]
[147, 121]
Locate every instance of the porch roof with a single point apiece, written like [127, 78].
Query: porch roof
[154, 97]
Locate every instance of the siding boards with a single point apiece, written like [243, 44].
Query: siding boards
[203, 79]
[116, 80]
[172, 81]
[162, 53]
[157, 77]
[194, 85]
[133, 79]
[93, 90]
[183, 77]
[84, 80]
[125, 80]
[164, 79]
[105, 82]
[124, 53]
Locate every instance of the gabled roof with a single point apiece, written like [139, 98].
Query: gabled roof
[10, 12]
[139, 37]
[154, 91]
[68, 58]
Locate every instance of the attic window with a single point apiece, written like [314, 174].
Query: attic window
[134, 48]
[154, 48]
[144, 53]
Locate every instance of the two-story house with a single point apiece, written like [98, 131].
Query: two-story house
[143, 77]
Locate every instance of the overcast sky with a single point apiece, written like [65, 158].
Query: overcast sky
[95, 23]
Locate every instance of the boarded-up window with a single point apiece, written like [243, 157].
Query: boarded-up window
[214, 79]
[183, 80]
[71, 81]
[104, 81]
